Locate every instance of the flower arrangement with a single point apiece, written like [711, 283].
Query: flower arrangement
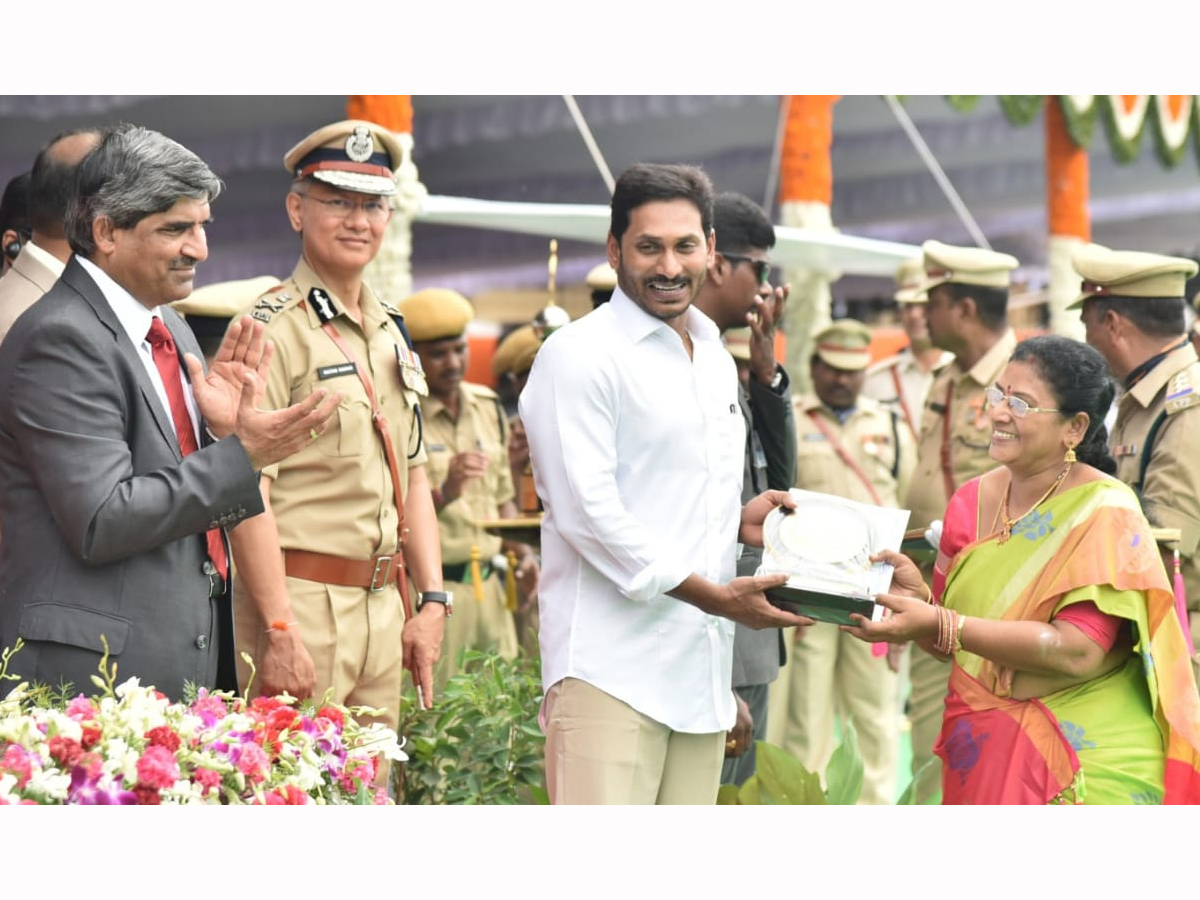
[131, 745]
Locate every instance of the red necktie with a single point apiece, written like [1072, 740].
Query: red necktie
[166, 358]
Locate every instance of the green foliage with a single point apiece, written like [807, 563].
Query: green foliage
[929, 775]
[480, 743]
[780, 778]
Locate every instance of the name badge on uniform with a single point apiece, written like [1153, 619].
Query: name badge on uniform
[813, 436]
[435, 448]
[346, 368]
[411, 372]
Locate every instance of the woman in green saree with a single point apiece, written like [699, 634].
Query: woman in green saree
[1070, 679]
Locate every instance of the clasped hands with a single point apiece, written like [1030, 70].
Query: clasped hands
[229, 394]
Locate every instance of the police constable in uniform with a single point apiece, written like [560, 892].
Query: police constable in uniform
[1132, 307]
[850, 446]
[901, 381]
[601, 281]
[966, 309]
[466, 438]
[352, 511]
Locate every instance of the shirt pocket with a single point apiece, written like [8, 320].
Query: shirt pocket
[816, 463]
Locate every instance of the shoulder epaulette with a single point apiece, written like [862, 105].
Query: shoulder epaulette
[1181, 393]
[273, 302]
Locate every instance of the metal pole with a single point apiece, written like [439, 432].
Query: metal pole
[590, 142]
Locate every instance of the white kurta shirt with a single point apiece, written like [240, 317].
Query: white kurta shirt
[637, 456]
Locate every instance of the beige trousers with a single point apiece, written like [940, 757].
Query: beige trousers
[602, 751]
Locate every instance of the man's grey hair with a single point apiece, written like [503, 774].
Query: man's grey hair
[133, 173]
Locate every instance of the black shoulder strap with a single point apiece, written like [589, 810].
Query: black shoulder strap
[1147, 448]
[399, 320]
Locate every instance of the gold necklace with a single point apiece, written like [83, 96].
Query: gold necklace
[1006, 531]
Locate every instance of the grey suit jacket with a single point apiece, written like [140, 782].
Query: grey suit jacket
[770, 463]
[21, 287]
[104, 519]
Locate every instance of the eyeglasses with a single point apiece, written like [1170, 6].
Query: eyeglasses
[376, 211]
[1019, 407]
[762, 267]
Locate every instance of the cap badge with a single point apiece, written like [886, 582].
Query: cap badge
[360, 144]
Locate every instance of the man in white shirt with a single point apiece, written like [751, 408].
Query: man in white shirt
[637, 441]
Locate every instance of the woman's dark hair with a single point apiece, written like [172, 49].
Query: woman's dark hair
[1078, 377]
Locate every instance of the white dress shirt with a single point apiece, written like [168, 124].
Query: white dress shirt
[135, 322]
[637, 456]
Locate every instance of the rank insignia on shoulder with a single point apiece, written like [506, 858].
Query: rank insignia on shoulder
[322, 305]
[1180, 393]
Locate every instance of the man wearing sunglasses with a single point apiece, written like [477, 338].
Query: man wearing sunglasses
[735, 294]
[966, 309]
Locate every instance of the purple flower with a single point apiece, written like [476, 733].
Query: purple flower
[86, 791]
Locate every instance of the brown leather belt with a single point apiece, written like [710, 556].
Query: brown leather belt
[373, 574]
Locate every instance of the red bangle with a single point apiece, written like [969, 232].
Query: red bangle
[280, 625]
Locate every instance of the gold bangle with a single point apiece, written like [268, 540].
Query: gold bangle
[958, 644]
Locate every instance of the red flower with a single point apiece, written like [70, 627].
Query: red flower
[65, 751]
[91, 736]
[333, 715]
[164, 736]
[207, 778]
[146, 795]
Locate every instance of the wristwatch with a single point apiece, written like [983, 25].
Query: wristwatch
[777, 381]
[443, 597]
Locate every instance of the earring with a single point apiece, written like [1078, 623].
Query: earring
[1069, 456]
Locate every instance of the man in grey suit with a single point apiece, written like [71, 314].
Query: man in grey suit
[114, 514]
[44, 255]
[738, 297]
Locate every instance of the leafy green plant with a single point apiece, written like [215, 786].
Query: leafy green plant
[781, 779]
[480, 743]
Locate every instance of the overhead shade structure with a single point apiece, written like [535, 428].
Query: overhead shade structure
[794, 247]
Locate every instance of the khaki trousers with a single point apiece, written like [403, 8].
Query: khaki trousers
[832, 674]
[602, 751]
[475, 625]
[928, 679]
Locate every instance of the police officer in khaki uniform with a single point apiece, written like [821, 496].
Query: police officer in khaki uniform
[466, 438]
[901, 381]
[511, 363]
[601, 281]
[966, 309]
[323, 602]
[849, 446]
[1132, 307]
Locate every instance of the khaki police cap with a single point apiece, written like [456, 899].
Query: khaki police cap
[435, 314]
[737, 342]
[514, 355]
[225, 299]
[1129, 273]
[945, 264]
[844, 344]
[352, 155]
[909, 277]
[602, 278]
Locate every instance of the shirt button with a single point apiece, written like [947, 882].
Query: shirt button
[202, 642]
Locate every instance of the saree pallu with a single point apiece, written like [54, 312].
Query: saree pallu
[1130, 736]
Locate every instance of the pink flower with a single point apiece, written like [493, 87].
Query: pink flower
[163, 736]
[81, 709]
[210, 709]
[252, 762]
[64, 750]
[157, 768]
[19, 762]
[206, 778]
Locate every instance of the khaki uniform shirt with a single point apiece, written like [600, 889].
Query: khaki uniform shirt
[1171, 491]
[955, 425]
[482, 425]
[871, 437]
[901, 384]
[335, 495]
